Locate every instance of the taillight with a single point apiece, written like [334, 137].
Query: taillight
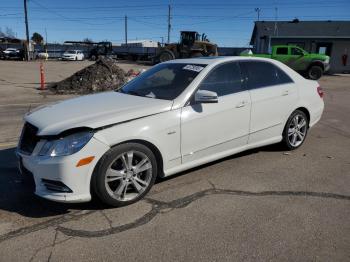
[320, 91]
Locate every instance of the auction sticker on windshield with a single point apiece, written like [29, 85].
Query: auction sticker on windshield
[193, 68]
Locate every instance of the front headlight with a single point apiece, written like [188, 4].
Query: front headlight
[67, 145]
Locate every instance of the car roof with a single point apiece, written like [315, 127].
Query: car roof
[217, 59]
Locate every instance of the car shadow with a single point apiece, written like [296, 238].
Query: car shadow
[17, 191]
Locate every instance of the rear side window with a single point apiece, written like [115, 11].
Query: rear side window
[282, 51]
[264, 74]
[224, 79]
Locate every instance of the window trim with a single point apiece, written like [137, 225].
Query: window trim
[246, 78]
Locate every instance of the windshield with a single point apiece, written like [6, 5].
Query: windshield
[164, 81]
[71, 52]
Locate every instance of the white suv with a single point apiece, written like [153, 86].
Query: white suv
[175, 116]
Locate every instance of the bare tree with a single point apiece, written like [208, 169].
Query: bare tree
[88, 40]
[10, 32]
[2, 34]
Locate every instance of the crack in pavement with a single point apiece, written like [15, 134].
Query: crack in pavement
[44, 225]
[53, 245]
[159, 206]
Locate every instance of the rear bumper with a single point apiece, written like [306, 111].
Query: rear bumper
[316, 114]
[327, 67]
[68, 58]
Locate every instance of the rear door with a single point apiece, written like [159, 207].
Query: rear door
[281, 54]
[273, 95]
[215, 128]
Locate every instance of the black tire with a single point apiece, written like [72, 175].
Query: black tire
[104, 191]
[287, 137]
[76, 58]
[166, 55]
[94, 58]
[315, 72]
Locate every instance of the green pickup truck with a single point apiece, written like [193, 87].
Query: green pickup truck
[311, 65]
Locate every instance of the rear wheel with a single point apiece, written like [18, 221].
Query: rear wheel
[295, 131]
[315, 72]
[125, 174]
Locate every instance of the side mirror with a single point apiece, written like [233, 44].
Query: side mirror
[205, 96]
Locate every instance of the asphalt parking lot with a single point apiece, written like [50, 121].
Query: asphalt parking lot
[262, 205]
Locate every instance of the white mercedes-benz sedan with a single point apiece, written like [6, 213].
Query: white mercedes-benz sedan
[175, 116]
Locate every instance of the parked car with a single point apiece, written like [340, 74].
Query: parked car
[13, 54]
[312, 66]
[73, 55]
[10, 50]
[175, 116]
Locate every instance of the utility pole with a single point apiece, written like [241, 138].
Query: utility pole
[126, 30]
[258, 11]
[27, 28]
[276, 17]
[169, 25]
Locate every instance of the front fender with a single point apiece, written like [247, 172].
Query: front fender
[161, 130]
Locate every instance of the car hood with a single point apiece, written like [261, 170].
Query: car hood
[93, 111]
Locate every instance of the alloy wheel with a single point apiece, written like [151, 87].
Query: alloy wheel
[128, 176]
[297, 130]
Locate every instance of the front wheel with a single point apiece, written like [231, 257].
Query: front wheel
[125, 174]
[295, 131]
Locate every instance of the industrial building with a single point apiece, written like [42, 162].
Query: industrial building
[326, 37]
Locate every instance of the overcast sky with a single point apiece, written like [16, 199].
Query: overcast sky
[228, 23]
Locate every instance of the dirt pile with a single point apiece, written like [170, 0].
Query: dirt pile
[104, 75]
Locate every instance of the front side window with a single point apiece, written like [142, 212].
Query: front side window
[224, 79]
[264, 74]
[164, 81]
[296, 51]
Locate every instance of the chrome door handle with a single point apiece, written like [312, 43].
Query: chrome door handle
[285, 93]
[241, 104]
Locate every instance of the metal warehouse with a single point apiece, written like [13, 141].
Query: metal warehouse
[325, 37]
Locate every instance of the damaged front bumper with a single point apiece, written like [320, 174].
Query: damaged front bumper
[58, 178]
